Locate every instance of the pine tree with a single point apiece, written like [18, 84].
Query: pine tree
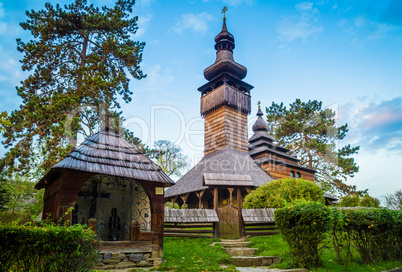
[311, 132]
[80, 59]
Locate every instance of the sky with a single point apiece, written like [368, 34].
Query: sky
[347, 54]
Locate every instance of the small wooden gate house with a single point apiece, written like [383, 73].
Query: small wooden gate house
[112, 186]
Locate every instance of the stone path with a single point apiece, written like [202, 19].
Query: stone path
[243, 255]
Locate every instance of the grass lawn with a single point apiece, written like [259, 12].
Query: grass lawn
[274, 245]
[194, 254]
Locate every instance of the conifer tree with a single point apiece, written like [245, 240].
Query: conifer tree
[311, 132]
[80, 59]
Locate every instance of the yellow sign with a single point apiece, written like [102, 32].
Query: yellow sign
[159, 190]
[225, 202]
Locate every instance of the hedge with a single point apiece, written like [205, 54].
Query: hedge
[281, 192]
[47, 247]
[375, 233]
[304, 226]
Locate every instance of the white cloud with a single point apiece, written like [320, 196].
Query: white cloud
[302, 26]
[362, 27]
[144, 3]
[378, 126]
[236, 3]
[156, 79]
[195, 22]
[143, 22]
[3, 25]
[1, 10]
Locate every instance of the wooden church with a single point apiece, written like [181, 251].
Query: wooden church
[109, 185]
[232, 165]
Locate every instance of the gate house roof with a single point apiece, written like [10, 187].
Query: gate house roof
[108, 153]
[224, 161]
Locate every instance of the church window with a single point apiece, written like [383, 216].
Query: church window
[292, 174]
[298, 175]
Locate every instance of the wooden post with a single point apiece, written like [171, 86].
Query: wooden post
[239, 209]
[173, 201]
[216, 199]
[216, 224]
[184, 198]
[231, 196]
[200, 195]
[135, 231]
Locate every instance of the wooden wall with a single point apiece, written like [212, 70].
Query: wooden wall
[225, 127]
[62, 194]
[282, 171]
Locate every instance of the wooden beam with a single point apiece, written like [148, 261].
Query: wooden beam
[239, 214]
[173, 199]
[216, 224]
[216, 198]
[184, 198]
[200, 194]
[231, 196]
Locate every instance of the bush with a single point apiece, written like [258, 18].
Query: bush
[303, 227]
[354, 200]
[375, 233]
[281, 192]
[46, 248]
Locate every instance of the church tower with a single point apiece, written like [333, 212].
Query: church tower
[225, 99]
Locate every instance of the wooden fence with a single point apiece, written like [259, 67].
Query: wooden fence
[259, 222]
[199, 223]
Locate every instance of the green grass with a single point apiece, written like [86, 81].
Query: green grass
[275, 246]
[194, 254]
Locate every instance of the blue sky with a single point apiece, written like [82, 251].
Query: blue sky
[347, 54]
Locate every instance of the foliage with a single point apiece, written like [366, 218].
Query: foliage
[169, 157]
[4, 122]
[80, 59]
[46, 247]
[311, 132]
[394, 201]
[375, 233]
[193, 254]
[355, 200]
[303, 227]
[281, 192]
[275, 246]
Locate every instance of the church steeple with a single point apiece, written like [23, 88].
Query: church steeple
[224, 63]
[225, 99]
[260, 124]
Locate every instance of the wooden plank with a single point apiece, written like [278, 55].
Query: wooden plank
[187, 231]
[187, 235]
[257, 233]
[239, 213]
[259, 224]
[264, 228]
[209, 225]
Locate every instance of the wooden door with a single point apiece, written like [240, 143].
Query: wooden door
[228, 222]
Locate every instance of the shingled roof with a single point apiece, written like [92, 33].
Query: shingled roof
[224, 161]
[108, 153]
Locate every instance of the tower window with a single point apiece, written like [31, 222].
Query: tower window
[292, 174]
[298, 175]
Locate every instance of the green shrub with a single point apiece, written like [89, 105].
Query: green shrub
[375, 233]
[354, 200]
[46, 248]
[303, 227]
[281, 192]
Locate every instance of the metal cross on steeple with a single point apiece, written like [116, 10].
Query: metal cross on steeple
[224, 12]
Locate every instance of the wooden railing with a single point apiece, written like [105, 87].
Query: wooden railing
[195, 230]
[260, 228]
